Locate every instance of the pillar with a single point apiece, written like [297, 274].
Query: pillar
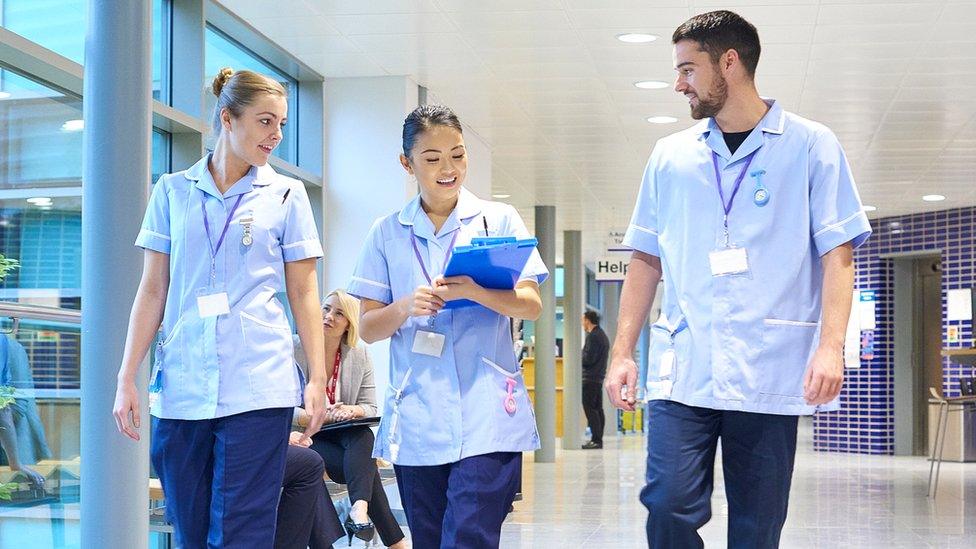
[611, 307]
[545, 339]
[572, 339]
[115, 191]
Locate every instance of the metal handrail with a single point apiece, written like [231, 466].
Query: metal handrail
[21, 311]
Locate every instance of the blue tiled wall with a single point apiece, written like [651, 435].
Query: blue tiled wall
[865, 423]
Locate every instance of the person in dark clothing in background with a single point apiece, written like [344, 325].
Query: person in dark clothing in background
[595, 352]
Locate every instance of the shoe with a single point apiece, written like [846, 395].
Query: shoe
[592, 445]
[363, 531]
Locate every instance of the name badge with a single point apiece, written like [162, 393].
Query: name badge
[728, 261]
[428, 343]
[667, 364]
[211, 302]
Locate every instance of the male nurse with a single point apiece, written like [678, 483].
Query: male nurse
[750, 217]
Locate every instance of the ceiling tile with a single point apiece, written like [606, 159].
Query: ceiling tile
[549, 88]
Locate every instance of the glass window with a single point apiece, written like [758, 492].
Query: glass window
[161, 50]
[59, 25]
[40, 134]
[160, 153]
[40, 226]
[222, 51]
[40, 190]
[40, 422]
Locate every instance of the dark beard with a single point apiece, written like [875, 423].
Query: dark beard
[708, 108]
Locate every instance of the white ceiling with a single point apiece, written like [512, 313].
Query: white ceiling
[548, 86]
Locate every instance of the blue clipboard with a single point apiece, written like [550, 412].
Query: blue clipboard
[493, 262]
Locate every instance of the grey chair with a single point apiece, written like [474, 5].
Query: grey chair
[946, 405]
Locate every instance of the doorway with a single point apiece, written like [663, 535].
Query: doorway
[918, 347]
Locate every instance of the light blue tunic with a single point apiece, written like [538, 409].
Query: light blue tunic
[241, 361]
[441, 410]
[743, 342]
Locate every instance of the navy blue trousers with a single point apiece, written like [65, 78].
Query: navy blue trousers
[757, 463]
[460, 504]
[222, 477]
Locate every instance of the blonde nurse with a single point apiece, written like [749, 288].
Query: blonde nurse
[220, 240]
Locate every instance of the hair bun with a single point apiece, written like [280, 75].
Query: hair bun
[221, 79]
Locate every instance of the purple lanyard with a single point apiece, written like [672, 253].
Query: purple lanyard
[220, 241]
[420, 259]
[727, 206]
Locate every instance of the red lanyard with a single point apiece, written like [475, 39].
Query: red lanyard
[330, 388]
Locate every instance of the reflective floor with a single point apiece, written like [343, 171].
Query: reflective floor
[589, 499]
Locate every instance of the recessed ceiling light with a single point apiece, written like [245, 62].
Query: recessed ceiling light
[933, 198]
[501, 196]
[652, 85]
[73, 125]
[636, 38]
[869, 208]
[4, 95]
[662, 119]
[896, 231]
[39, 200]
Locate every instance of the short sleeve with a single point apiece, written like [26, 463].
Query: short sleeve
[836, 213]
[371, 277]
[642, 233]
[300, 236]
[155, 234]
[535, 269]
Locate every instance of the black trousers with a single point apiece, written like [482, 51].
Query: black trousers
[593, 408]
[348, 456]
[306, 514]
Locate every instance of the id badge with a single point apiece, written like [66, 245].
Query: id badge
[212, 302]
[428, 343]
[728, 261]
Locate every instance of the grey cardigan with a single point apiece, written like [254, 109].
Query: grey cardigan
[356, 383]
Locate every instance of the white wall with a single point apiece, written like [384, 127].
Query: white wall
[478, 179]
[363, 179]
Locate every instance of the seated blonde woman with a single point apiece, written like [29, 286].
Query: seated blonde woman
[351, 393]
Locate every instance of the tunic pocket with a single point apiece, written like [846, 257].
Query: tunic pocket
[269, 347]
[667, 357]
[507, 403]
[169, 358]
[787, 346]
